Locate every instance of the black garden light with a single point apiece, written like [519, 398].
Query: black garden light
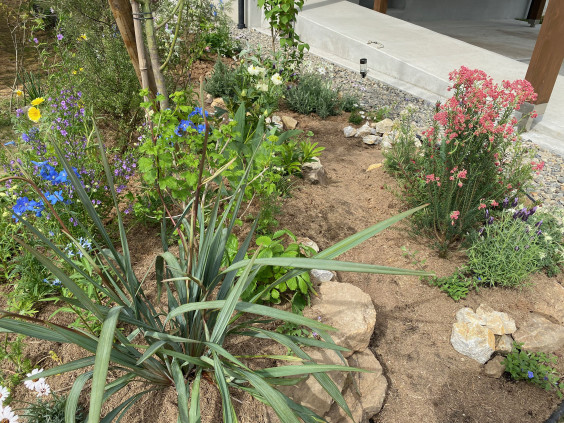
[363, 67]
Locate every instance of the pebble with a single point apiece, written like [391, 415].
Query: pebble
[547, 185]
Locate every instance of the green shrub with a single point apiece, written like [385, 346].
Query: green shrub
[314, 94]
[85, 50]
[471, 155]
[534, 367]
[355, 118]
[50, 411]
[511, 247]
[222, 82]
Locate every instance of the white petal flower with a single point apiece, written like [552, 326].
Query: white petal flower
[33, 383]
[321, 70]
[253, 70]
[43, 389]
[262, 87]
[4, 394]
[276, 79]
[7, 415]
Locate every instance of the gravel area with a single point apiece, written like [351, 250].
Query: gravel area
[548, 184]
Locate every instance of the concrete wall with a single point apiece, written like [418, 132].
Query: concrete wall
[433, 10]
[418, 10]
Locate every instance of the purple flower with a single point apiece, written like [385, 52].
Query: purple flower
[36, 41]
[516, 248]
[530, 374]
[538, 223]
[59, 37]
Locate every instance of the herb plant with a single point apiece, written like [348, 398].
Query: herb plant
[534, 367]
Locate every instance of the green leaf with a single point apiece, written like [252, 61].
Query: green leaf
[101, 364]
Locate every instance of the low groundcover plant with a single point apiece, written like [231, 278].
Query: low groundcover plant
[178, 338]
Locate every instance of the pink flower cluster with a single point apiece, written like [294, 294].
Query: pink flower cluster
[479, 106]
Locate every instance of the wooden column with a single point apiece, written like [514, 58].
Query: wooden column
[536, 9]
[380, 6]
[548, 53]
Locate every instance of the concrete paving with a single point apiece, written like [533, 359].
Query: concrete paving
[418, 59]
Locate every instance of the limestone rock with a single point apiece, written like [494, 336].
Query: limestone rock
[389, 137]
[349, 310]
[289, 122]
[364, 130]
[337, 415]
[320, 276]
[473, 340]
[494, 368]
[504, 344]
[372, 139]
[349, 131]
[308, 243]
[314, 173]
[551, 301]
[499, 323]
[309, 392]
[372, 386]
[219, 103]
[539, 334]
[386, 145]
[467, 315]
[384, 126]
[277, 121]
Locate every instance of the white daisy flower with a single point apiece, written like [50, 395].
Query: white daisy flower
[4, 394]
[7, 415]
[42, 390]
[276, 79]
[33, 383]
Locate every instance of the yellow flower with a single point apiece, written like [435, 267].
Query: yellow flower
[81, 69]
[83, 37]
[34, 114]
[18, 93]
[74, 72]
[37, 101]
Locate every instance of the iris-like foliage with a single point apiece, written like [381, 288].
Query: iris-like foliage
[178, 339]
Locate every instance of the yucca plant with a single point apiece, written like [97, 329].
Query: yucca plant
[181, 340]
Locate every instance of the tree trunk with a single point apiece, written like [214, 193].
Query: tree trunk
[154, 53]
[121, 10]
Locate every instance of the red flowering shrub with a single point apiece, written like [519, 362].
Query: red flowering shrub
[471, 155]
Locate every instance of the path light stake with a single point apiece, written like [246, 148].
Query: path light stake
[363, 67]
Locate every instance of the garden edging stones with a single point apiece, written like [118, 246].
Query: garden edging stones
[348, 309]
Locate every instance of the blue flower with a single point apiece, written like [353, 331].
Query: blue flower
[530, 374]
[9, 143]
[25, 138]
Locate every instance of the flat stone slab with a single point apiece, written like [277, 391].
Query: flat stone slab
[540, 335]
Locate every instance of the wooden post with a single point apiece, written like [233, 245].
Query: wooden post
[535, 11]
[548, 53]
[381, 6]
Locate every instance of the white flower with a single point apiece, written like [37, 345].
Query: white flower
[4, 394]
[262, 87]
[292, 66]
[276, 79]
[253, 70]
[321, 70]
[7, 415]
[417, 143]
[33, 383]
[260, 70]
[43, 389]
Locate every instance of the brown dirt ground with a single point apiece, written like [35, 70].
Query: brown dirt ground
[428, 380]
